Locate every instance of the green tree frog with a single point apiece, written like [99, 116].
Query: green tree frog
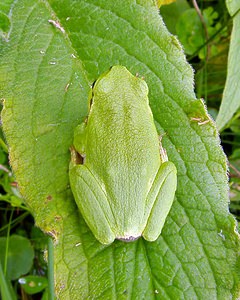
[125, 185]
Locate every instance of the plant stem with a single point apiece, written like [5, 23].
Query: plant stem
[7, 244]
[204, 27]
[50, 270]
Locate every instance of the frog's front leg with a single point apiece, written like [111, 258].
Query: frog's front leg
[92, 203]
[159, 200]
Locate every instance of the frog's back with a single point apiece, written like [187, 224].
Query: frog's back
[125, 147]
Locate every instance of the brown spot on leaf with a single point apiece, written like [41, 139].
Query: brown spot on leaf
[57, 218]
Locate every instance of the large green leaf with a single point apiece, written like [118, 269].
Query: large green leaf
[230, 102]
[19, 256]
[47, 70]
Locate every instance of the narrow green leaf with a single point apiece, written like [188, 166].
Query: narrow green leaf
[231, 94]
[52, 45]
[6, 290]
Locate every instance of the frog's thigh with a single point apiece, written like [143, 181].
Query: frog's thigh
[93, 204]
[159, 200]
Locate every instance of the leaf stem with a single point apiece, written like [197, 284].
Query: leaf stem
[204, 27]
[213, 36]
[235, 170]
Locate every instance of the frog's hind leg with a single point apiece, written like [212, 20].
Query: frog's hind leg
[92, 203]
[159, 200]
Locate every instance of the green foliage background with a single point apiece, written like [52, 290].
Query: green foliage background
[51, 53]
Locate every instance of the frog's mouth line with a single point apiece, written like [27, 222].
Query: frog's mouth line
[128, 238]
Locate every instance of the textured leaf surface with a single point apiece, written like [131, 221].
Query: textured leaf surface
[230, 102]
[47, 69]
